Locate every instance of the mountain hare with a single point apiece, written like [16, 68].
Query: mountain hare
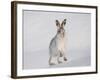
[57, 44]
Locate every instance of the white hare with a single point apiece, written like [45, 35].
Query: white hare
[57, 44]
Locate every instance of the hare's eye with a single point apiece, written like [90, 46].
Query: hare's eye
[58, 31]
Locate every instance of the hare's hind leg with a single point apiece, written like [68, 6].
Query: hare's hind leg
[52, 60]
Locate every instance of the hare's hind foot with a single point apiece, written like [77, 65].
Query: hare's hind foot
[52, 63]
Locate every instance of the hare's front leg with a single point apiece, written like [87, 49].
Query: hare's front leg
[64, 57]
[60, 57]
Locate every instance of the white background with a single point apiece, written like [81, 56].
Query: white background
[5, 40]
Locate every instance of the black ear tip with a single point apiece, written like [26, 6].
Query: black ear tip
[64, 19]
[56, 20]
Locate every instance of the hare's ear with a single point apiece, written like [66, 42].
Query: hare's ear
[63, 23]
[57, 23]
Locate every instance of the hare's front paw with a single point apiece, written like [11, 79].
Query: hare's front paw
[60, 61]
[65, 59]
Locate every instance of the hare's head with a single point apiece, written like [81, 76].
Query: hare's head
[60, 27]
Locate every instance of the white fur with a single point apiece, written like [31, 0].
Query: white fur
[57, 47]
